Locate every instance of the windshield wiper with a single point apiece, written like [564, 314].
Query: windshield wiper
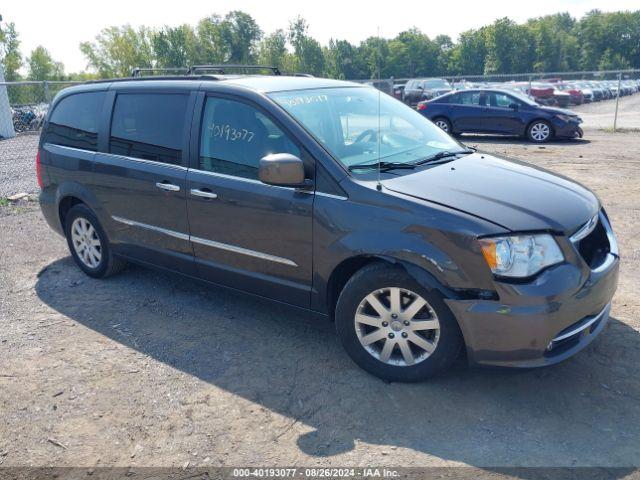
[383, 165]
[442, 155]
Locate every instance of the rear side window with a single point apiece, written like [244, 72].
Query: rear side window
[235, 136]
[74, 121]
[149, 126]
[469, 98]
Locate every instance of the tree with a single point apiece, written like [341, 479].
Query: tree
[308, 57]
[42, 67]
[10, 56]
[174, 47]
[509, 47]
[273, 49]
[468, 56]
[413, 54]
[613, 61]
[116, 51]
[211, 44]
[241, 33]
[342, 61]
[444, 54]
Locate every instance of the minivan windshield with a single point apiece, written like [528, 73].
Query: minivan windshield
[360, 125]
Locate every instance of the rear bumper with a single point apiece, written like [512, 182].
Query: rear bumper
[540, 323]
[49, 208]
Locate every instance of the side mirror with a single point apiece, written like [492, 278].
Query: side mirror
[282, 169]
[514, 106]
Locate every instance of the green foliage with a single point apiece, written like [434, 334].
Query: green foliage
[42, 67]
[10, 56]
[116, 51]
[551, 43]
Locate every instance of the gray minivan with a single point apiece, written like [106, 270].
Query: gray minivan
[332, 197]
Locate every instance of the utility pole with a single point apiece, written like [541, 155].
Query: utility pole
[615, 117]
[6, 118]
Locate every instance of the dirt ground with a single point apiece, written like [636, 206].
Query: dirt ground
[150, 369]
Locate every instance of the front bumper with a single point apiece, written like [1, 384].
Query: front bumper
[570, 129]
[539, 323]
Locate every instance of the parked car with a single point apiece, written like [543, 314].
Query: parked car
[502, 112]
[576, 97]
[293, 189]
[417, 90]
[587, 92]
[398, 89]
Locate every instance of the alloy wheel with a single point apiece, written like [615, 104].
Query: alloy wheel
[86, 242]
[397, 326]
[443, 125]
[540, 132]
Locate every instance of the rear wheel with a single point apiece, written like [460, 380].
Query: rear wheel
[89, 245]
[539, 131]
[443, 124]
[393, 327]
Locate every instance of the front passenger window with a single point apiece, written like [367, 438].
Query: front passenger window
[234, 137]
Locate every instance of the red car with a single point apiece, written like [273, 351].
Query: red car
[577, 97]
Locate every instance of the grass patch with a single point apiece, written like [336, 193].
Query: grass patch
[621, 130]
[4, 202]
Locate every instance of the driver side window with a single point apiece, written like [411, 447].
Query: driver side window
[234, 136]
[502, 100]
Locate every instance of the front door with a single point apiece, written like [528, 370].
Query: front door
[141, 179]
[246, 234]
[501, 114]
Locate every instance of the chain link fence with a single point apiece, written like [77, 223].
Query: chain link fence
[23, 105]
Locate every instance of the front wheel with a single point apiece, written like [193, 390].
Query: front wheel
[393, 327]
[539, 131]
[89, 245]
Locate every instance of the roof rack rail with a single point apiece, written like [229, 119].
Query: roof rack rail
[220, 68]
[137, 72]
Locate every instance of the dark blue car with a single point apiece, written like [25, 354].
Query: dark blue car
[502, 112]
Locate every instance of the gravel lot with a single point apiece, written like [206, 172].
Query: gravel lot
[149, 369]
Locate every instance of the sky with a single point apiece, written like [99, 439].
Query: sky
[61, 25]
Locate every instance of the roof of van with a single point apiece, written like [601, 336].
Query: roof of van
[276, 83]
[260, 83]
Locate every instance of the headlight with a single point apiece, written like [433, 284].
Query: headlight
[565, 118]
[520, 256]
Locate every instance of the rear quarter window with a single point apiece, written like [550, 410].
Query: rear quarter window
[74, 121]
[149, 126]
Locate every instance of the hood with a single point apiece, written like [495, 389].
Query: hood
[562, 111]
[510, 194]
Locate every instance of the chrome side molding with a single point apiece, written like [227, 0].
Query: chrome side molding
[209, 243]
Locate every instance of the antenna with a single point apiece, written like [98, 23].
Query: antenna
[379, 186]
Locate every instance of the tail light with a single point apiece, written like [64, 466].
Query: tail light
[422, 106]
[39, 170]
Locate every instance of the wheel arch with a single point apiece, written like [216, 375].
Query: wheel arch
[70, 194]
[349, 266]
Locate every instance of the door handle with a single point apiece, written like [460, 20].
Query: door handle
[197, 192]
[169, 187]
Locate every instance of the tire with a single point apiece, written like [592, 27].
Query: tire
[82, 229]
[386, 358]
[443, 124]
[540, 131]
